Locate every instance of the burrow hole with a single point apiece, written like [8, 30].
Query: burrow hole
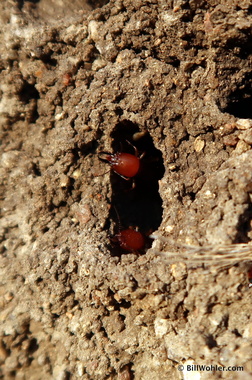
[239, 102]
[139, 206]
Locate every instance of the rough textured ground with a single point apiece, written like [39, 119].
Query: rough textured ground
[78, 78]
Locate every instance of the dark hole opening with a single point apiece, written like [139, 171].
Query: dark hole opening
[239, 103]
[21, 2]
[244, 227]
[211, 342]
[97, 3]
[28, 92]
[33, 346]
[139, 206]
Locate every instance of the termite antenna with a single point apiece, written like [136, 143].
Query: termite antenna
[140, 156]
[134, 147]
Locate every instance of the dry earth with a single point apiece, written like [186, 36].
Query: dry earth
[80, 77]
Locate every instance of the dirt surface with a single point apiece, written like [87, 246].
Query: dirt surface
[174, 79]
